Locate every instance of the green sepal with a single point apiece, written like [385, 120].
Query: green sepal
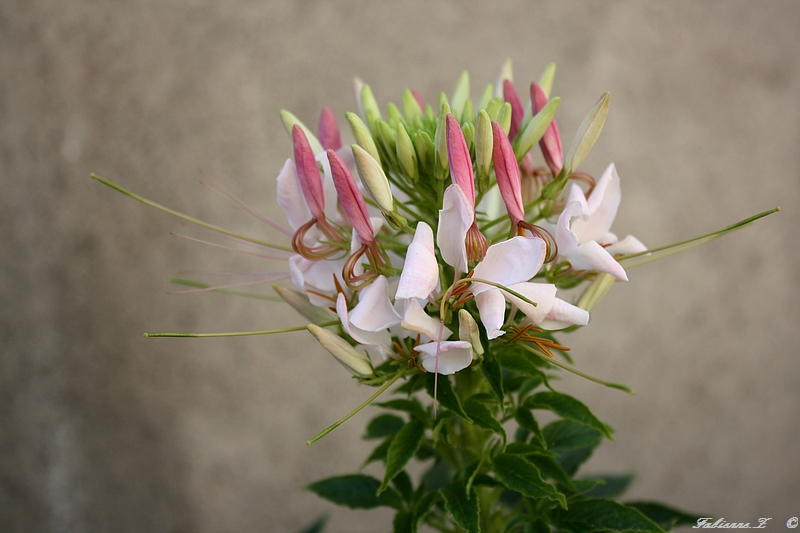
[568, 408]
[411, 108]
[504, 118]
[426, 152]
[406, 155]
[404, 445]
[520, 475]
[535, 128]
[486, 97]
[356, 491]
[546, 79]
[602, 515]
[289, 120]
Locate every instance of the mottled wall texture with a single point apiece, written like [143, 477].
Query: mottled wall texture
[104, 430]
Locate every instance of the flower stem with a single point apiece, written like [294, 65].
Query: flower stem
[188, 218]
[357, 409]
[575, 371]
[237, 333]
[200, 285]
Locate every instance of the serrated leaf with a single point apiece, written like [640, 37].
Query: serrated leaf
[493, 372]
[403, 447]
[356, 491]
[550, 468]
[379, 453]
[411, 406]
[464, 507]
[522, 476]
[524, 448]
[527, 421]
[483, 417]
[602, 515]
[665, 516]
[567, 435]
[383, 425]
[609, 486]
[568, 408]
[446, 395]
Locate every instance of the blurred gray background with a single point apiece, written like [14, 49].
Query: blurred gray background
[103, 430]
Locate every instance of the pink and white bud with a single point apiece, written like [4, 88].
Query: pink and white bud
[517, 111]
[508, 176]
[328, 131]
[550, 143]
[308, 173]
[460, 162]
[351, 199]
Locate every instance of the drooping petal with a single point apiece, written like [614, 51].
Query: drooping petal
[507, 171]
[421, 271]
[374, 311]
[602, 205]
[453, 356]
[380, 340]
[460, 162]
[628, 245]
[492, 308]
[592, 256]
[566, 239]
[455, 219]
[513, 261]
[290, 196]
[542, 294]
[417, 320]
[563, 315]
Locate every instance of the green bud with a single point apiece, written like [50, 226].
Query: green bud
[442, 162]
[289, 120]
[486, 97]
[587, 134]
[468, 331]
[372, 121]
[387, 135]
[535, 128]
[362, 135]
[443, 100]
[354, 361]
[506, 73]
[484, 141]
[469, 134]
[394, 114]
[411, 107]
[426, 150]
[300, 302]
[395, 220]
[460, 95]
[468, 111]
[406, 154]
[504, 118]
[595, 291]
[546, 80]
[372, 176]
[494, 107]
[368, 102]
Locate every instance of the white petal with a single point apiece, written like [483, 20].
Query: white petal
[421, 271]
[543, 294]
[455, 218]
[602, 207]
[566, 239]
[374, 311]
[628, 245]
[380, 340]
[453, 356]
[592, 256]
[316, 276]
[563, 315]
[417, 320]
[492, 307]
[513, 261]
[290, 196]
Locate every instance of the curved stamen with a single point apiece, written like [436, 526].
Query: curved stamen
[320, 251]
[551, 250]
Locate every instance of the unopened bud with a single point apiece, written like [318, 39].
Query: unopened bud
[426, 150]
[506, 73]
[368, 103]
[393, 114]
[406, 154]
[486, 97]
[468, 331]
[362, 135]
[494, 107]
[483, 150]
[354, 361]
[460, 95]
[411, 107]
[374, 179]
[546, 80]
[289, 121]
[504, 118]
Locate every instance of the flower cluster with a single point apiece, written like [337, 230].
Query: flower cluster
[416, 253]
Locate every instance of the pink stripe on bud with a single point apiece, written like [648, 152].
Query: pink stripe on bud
[308, 173]
[510, 95]
[418, 98]
[460, 162]
[351, 199]
[507, 171]
[550, 143]
[328, 131]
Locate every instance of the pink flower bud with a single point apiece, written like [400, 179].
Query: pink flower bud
[510, 95]
[328, 131]
[460, 162]
[351, 199]
[308, 173]
[551, 141]
[507, 171]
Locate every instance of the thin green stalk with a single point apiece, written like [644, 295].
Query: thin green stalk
[188, 218]
[238, 333]
[199, 285]
[357, 409]
[574, 370]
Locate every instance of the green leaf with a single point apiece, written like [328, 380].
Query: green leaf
[527, 421]
[379, 453]
[518, 474]
[446, 396]
[537, 526]
[404, 445]
[403, 522]
[568, 408]
[664, 516]
[383, 425]
[493, 373]
[483, 417]
[317, 526]
[602, 515]
[524, 448]
[438, 476]
[356, 491]
[567, 435]
[464, 508]
[411, 406]
[402, 482]
[550, 468]
[609, 486]
[517, 361]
